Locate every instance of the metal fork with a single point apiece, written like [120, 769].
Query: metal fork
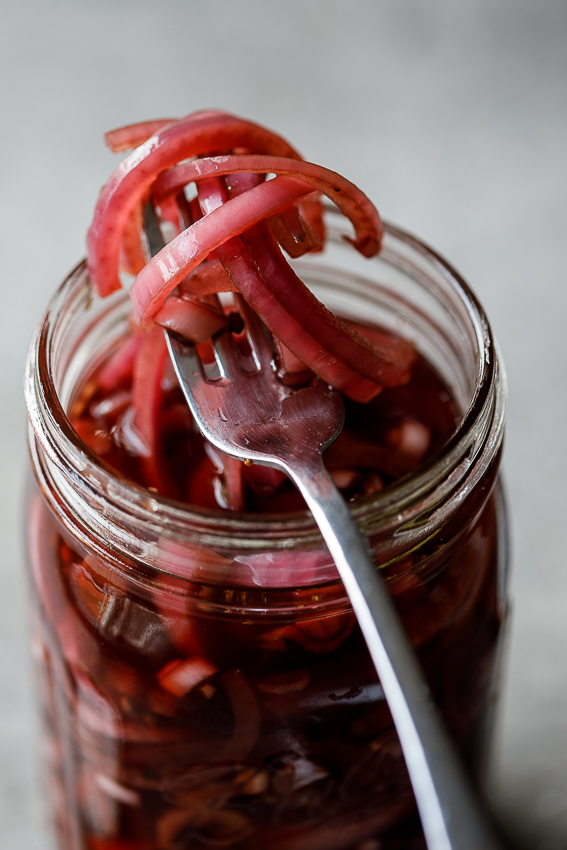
[249, 414]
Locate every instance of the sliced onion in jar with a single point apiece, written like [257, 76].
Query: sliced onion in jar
[190, 318]
[192, 136]
[184, 253]
[147, 396]
[181, 676]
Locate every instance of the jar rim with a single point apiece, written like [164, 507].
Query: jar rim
[476, 439]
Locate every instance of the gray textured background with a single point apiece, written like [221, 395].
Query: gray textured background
[452, 115]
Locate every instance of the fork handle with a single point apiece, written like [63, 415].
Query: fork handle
[451, 816]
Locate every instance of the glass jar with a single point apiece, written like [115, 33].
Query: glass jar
[203, 679]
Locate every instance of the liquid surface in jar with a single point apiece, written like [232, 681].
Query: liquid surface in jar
[382, 440]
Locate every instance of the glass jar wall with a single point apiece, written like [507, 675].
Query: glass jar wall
[203, 679]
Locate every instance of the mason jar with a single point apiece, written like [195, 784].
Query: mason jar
[272, 729]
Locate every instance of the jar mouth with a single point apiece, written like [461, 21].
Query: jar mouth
[474, 443]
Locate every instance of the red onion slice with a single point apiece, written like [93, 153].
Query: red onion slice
[253, 264]
[118, 367]
[274, 291]
[131, 135]
[351, 201]
[190, 318]
[147, 397]
[289, 327]
[180, 676]
[184, 253]
[133, 255]
[189, 137]
[246, 713]
[208, 278]
[386, 365]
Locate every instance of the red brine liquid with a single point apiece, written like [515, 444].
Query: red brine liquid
[246, 713]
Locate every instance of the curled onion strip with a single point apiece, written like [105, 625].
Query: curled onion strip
[208, 278]
[290, 329]
[131, 135]
[191, 319]
[147, 399]
[229, 159]
[280, 297]
[189, 137]
[133, 256]
[386, 365]
[118, 367]
[184, 253]
[246, 714]
[353, 203]
[294, 233]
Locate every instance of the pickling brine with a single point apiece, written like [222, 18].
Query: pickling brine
[203, 679]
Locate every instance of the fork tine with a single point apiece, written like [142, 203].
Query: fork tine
[257, 335]
[187, 355]
[226, 355]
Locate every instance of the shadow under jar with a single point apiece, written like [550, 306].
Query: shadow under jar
[203, 679]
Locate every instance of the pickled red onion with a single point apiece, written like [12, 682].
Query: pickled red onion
[147, 394]
[131, 135]
[189, 137]
[182, 675]
[209, 277]
[353, 203]
[290, 328]
[192, 319]
[274, 291]
[385, 365]
[119, 365]
[184, 253]
[132, 254]
[236, 156]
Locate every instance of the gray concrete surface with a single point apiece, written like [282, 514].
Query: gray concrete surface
[452, 115]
